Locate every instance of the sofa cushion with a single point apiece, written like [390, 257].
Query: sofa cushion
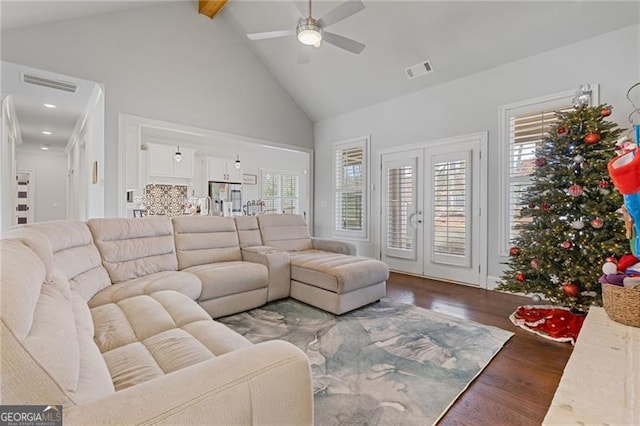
[147, 336]
[47, 335]
[248, 231]
[285, 231]
[335, 272]
[75, 255]
[182, 282]
[226, 278]
[201, 240]
[135, 247]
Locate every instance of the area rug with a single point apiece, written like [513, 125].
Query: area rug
[556, 323]
[388, 363]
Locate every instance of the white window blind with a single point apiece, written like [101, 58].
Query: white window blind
[400, 198]
[526, 134]
[280, 192]
[450, 208]
[350, 174]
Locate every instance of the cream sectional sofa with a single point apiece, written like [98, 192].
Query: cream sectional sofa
[112, 318]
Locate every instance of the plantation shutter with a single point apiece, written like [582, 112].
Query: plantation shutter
[450, 202]
[526, 134]
[350, 177]
[270, 192]
[399, 203]
[280, 192]
[289, 193]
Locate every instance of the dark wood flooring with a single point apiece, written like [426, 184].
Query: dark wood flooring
[517, 387]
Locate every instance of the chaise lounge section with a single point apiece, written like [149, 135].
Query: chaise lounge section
[324, 273]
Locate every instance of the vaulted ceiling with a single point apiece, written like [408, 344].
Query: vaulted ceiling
[458, 38]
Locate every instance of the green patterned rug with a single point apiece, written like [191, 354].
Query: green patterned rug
[387, 363]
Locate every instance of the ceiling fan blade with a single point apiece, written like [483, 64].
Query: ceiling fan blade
[270, 34]
[343, 42]
[304, 53]
[341, 12]
[292, 10]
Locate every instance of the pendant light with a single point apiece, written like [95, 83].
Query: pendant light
[178, 155]
[237, 164]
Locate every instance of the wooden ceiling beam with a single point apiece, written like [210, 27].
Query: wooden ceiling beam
[210, 7]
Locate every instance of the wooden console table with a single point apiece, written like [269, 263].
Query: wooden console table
[601, 382]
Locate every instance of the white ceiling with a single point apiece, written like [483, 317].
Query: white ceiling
[459, 38]
[21, 13]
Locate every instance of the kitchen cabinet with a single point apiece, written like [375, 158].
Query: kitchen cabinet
[223, 170]
[161, 162]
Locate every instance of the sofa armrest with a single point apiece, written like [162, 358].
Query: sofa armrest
[267, 383]
[277, 262]
[335, 246]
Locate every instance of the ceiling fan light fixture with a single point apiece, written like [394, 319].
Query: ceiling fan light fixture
[309, 32]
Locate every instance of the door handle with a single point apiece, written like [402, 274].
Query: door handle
[410, 217]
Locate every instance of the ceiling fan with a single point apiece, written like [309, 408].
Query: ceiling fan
[311, 32]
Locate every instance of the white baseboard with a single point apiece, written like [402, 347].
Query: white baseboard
[492, 282]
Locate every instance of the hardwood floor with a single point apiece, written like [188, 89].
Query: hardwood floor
[518, 385]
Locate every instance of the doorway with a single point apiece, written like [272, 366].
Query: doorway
[49, 116]
[433, 198]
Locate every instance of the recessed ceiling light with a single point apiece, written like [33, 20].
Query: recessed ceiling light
[49, 105]
[46, 132]
[44, 147]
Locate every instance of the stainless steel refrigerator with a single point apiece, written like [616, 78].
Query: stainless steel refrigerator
[226, 198]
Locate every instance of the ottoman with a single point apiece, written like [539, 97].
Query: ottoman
[336, 282]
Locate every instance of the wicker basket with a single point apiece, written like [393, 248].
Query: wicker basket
[622, 304]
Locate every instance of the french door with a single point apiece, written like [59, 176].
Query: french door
[402, 211]
[431, 210]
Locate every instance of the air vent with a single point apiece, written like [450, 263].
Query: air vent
[418, 69]
[52, 84]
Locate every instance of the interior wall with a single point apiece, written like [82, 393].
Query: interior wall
[50, 186]
[470, 105]
[169, 63]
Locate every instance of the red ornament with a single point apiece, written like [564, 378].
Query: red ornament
[535, 264]
[545, 206]
[515, 251]
[566, 245]
[592, 138]
[603, 184]
[562, 130]
[570, 289]
[532, 206]
[520, 276]
[597, 223]
[605, 112]
[575, 190]
[540, 161]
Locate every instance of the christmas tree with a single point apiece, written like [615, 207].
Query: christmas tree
[572, 221]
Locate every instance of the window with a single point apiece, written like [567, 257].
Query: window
[523, 128]
[351, 180]
[280, 192]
